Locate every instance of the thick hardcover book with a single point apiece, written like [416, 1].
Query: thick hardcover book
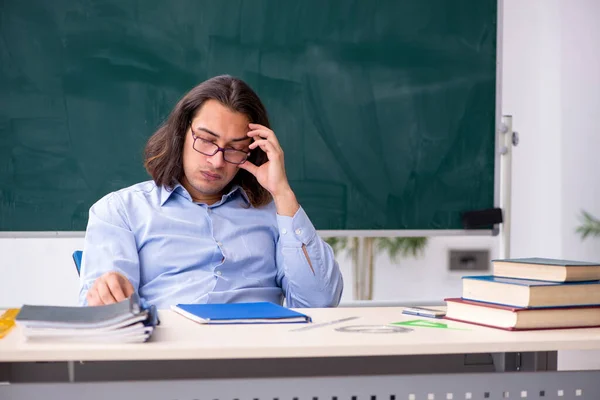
[530, 293]
[547, 269]
[516, 318]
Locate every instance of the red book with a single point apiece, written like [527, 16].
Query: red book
[515, 318]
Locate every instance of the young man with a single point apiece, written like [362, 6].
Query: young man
[218, 223]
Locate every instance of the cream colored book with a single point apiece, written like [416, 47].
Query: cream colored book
[547, 269]
[530, 293]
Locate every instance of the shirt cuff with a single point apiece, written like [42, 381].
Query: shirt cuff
[297, 230]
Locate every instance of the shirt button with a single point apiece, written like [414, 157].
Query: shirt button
[219, 244]
[298, 231]
[284, 231]
[219, 273]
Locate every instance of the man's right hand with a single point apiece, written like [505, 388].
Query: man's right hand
[109, 288]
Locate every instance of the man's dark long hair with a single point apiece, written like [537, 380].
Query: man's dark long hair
[164, 150]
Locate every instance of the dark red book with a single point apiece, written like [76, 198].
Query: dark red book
[515, 318]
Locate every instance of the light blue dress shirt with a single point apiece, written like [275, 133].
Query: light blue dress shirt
[173, 250]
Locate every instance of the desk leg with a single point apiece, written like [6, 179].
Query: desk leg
[71, 370]
[526, 362]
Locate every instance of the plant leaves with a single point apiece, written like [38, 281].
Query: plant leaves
[405, 246]
[590, 226]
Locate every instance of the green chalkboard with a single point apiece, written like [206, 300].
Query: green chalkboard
[386, 109]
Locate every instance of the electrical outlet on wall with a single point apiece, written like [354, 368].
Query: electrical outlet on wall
[469, 260]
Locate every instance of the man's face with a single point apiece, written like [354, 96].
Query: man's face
[207, 176]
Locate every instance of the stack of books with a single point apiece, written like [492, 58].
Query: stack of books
[531, 293]
[128, 321]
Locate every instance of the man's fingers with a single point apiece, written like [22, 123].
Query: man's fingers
[266, 146]
[104, 293]
[249, 166]
[257, 143]
[265, 134]
[92, 297]
[116, 287]
[257, 127]
[126, 286]
[110, 288]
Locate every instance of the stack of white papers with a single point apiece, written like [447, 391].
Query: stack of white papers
[123, 322]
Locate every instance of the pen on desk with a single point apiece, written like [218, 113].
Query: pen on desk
[312, 326]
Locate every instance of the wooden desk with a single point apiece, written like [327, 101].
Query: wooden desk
[276, 356]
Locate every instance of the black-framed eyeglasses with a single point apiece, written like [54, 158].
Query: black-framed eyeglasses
[209, 148]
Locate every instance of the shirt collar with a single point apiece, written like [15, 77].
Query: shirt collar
[237, 188]
[166, 193]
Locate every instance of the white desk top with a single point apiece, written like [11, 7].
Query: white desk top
[178, 338]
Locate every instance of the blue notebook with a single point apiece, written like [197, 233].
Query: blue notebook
[240, 313]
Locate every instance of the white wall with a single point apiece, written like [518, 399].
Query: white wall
[38, 271]
[531, 94]
[580, 139]
[551, 86]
